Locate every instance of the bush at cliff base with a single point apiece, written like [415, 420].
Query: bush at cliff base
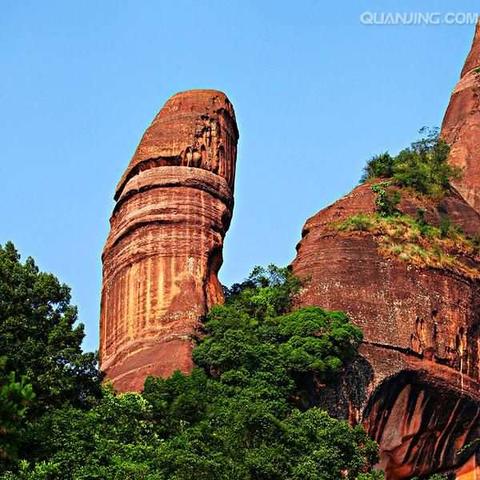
[241, 414]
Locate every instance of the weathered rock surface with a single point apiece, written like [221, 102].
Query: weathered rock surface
[421, 333]
[164, 250]
[461, 126]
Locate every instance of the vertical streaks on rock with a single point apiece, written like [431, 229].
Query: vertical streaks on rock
[160, 262]
[461, 126]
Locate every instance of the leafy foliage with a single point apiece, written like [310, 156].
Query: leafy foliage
[386, 200]
[266, 292]
[238, 415]
[423, 166]
[38, 335]
[15, 396]
[307, 340]
[379, 166]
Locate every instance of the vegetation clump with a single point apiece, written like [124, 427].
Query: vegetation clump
[386, 200]
[239, 415]
[414, 241]
[15, 397]
[40, 338]
[422, 167]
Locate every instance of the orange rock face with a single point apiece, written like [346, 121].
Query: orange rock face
[421, 333]
[160, 262]
[461, 126]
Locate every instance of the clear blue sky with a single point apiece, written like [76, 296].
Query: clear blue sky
[315, 91]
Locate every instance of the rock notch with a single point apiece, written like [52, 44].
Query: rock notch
[160, 262]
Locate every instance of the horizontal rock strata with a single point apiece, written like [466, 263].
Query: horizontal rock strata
[160, 262]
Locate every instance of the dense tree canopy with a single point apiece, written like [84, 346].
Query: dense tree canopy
[238, 415]
[16, 394]
[39, 337]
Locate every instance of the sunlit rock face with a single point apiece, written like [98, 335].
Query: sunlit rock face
[160, 262]
[461, 126]
[431, 313]
[417, 387]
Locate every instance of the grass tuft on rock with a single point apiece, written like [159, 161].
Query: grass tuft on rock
[420, 244]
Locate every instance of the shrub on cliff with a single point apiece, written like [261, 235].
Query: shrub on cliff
[386, 200]
[422, 166]
[238, 415]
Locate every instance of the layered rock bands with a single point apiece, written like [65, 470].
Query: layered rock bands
[160, 262]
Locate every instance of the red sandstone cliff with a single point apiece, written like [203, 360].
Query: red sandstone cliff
[421, 327]
[417, 388]
[461, 126]
[164, 250]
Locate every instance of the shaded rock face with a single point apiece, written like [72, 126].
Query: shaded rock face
[421, 333]
[160, 262]
[461, 126]
[421, 424]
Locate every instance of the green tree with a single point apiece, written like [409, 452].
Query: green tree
[266, 292]
[238, 416]
[379, 166]
[39, 336]
[15, 396]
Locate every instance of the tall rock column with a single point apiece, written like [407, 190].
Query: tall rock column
[160, 262]
[461, 126]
